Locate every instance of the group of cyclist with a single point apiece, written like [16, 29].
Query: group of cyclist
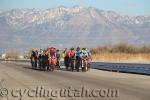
[49, 59]
[77, 58]
[44, 59]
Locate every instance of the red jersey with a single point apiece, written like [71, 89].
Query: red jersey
[70, 53]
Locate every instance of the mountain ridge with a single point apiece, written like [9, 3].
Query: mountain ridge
[71, 26]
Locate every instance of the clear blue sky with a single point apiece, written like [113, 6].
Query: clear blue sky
[131, 7]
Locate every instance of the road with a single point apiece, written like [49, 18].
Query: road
[22, 83]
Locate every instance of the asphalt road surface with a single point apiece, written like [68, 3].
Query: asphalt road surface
[20, 82]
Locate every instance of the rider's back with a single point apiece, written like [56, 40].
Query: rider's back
[72, 53]
[58, 54]
[84, 54]
[52, 52]
[68, 53]
[78, 53]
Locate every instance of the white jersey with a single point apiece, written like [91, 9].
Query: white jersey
[85, 55]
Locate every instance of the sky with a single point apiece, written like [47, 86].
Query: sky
[130, 7]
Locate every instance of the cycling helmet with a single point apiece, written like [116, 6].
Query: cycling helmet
[83, 48]
[72, 49]
[78, 48]
[57, 50]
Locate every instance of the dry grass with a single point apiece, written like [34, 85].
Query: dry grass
[122, 53]
[122, 57]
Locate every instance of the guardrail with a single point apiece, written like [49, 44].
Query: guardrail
[123, 67]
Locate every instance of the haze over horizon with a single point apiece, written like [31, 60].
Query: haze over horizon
[133, 8]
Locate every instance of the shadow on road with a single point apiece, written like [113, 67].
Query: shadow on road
[38, 69]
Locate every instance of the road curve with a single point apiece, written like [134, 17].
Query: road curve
[21, 77]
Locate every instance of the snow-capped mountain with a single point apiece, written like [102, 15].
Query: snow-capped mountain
[71, 27]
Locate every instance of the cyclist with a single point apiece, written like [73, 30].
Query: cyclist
[78, 58]
[72, 58]
[89, 58]
[68, 57]
[58, 55]
[85, 57]
[52, 58]
[40, 57]
[85, 54]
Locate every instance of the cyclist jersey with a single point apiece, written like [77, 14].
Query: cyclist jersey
[89, 52]
[78, 53]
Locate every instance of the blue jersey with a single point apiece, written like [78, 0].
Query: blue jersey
[78, 52]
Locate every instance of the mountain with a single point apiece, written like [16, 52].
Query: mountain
[63, 27]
